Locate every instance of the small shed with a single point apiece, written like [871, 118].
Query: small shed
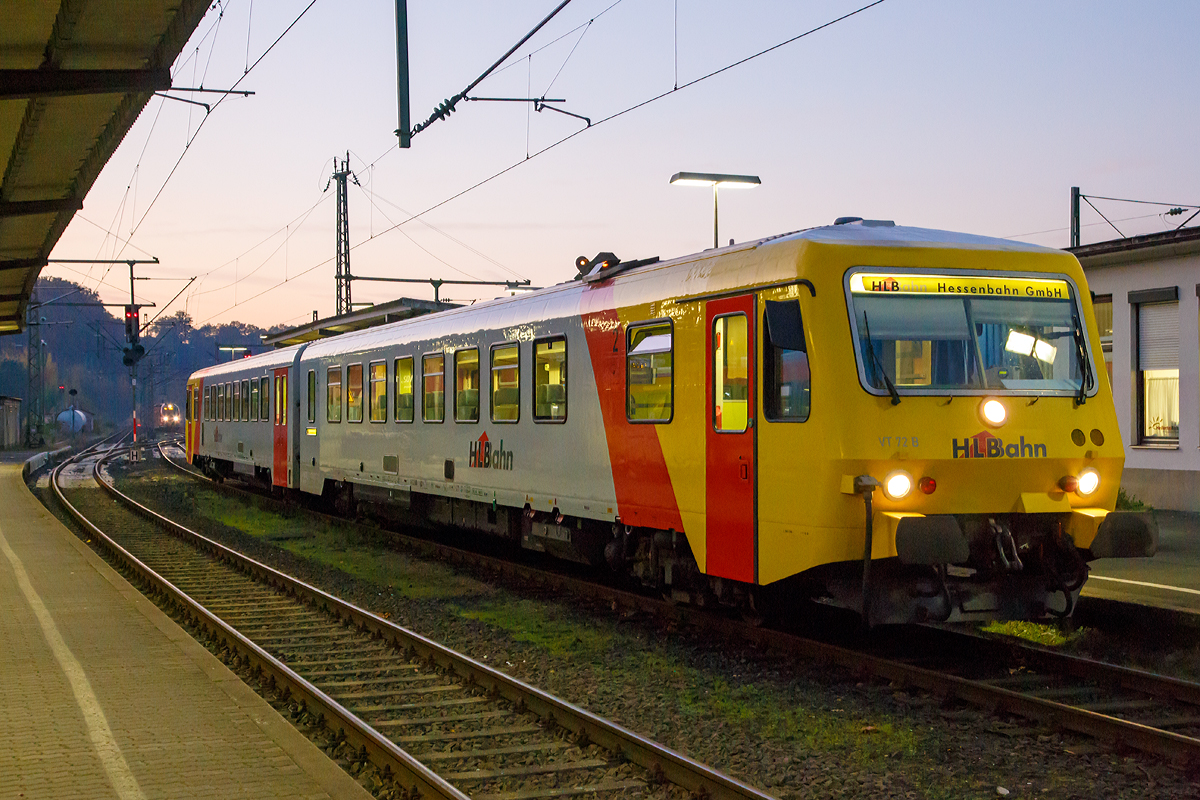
[10, 421]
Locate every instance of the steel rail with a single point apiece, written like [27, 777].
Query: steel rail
[1174, 746]
[672, 766]
[423, 781]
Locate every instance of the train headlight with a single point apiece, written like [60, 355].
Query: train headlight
[897, 485]
[1087, 482]
[993, 412]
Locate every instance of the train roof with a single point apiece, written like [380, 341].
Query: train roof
[282, 357]
[886, 234]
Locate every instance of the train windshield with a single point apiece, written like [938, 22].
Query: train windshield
[937, 334]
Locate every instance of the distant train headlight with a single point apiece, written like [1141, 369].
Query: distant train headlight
[1088, 482]
[176, 418]
[993, 412]
[897, 485]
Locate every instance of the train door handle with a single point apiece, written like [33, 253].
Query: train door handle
[745, 472]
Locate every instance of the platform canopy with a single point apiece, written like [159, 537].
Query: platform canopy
[74, 75]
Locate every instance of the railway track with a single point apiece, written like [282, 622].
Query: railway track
[441, 724]
[1123, 706]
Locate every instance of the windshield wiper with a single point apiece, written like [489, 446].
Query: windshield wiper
[876, 367]
[1086, 380]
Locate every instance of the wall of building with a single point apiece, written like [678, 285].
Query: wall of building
[1166, 476]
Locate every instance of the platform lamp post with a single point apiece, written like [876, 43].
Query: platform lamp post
[715, 180]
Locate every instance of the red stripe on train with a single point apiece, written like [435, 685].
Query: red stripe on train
[645, 497]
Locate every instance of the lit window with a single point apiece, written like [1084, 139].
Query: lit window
[404, 389]
[333, 394]
[433, 388]
[731, 374]
[550, 380]
[506, 383]
[466, 386]
[1158, 364]
[377, 399]
[354, 393]
[649, 379]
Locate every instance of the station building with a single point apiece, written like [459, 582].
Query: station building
[1147, 300]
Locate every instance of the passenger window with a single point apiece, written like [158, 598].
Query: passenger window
[377, 398]
[354, 393]
[254, 399]
[281, 400]
[333, 394]
[506, 383]
[246, 400]
[550, 380]
[786, 380]
[403, 369]
[237, 401]
[466, 385]
[312, 395]
[731, 385]
[264, 399]
[433, 390]
[648, 373]
[228, 402]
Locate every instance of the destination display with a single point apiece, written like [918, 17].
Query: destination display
[871, 283]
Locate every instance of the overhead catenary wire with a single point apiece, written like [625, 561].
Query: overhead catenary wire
[563, 140]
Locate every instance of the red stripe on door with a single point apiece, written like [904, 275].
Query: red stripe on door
[645, 497]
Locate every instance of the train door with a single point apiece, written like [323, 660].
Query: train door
[191, 420]
[730, 472]
[279, 424]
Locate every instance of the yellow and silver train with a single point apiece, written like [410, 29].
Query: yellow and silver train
[904, 422]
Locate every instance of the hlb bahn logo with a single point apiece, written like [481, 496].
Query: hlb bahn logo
[985, 445]
[485, 456]
[885, 285]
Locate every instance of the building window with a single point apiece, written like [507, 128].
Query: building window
[550, 380]
[649, 379]
[506, 382]
[731, 374]
[466, 385]
[1157, 364]
[264, 398]
[333, 394]
[786, 380]
[433, 388]
[1102, 306]
[377, 398]
[404, 389]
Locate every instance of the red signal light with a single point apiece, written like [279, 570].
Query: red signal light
[927, 485]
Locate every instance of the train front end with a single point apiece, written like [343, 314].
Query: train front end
[982, 458]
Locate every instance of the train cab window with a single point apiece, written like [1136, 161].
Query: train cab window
[333, 394]
[466, 385]
[403, 375]
[786, 380]
[377, 397]
[246, 400]
[731, 384]
[550, 380]
[433, 388]
[312, 395]
[506, 382]
[354, 393]
[648, 374]
[253, 399]
[264, 399]
[237, 401]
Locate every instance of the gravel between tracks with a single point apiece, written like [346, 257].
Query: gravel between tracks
[795, 730]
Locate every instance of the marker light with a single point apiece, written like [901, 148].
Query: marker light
[897, 485]
[927, 485]
[1068, 483]
[993, 412]
[1089, 481]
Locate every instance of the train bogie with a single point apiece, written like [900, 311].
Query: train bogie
[908, 423]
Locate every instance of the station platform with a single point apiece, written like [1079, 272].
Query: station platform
[1169, 579]
[104, 696]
